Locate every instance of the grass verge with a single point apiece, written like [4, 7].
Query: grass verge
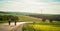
[42, 27]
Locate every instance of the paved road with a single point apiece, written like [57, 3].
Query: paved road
[12, 27]
[19, 28]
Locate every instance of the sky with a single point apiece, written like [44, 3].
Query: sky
[32, 6]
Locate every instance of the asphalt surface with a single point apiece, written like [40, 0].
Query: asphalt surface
[12, 27]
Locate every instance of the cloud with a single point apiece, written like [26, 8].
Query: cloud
[48, 0]
[30, 6]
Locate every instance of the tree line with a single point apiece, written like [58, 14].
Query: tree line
[6, 17]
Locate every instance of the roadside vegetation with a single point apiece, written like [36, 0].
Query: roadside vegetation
[42, 27]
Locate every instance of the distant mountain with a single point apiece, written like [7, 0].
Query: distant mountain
[21, 13]
[24, 13]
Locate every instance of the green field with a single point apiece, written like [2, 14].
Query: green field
[22, 18]
[42, 27]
